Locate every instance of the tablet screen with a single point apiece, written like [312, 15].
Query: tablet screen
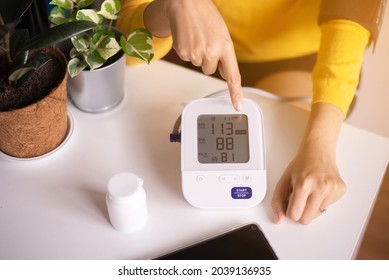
[244, 243]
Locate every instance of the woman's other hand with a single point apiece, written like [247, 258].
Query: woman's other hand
[311, 182]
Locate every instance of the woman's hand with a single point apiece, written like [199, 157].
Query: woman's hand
[200, 36]
[308, 186]
[311, 182]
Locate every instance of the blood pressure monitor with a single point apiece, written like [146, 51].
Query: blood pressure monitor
[222, 154]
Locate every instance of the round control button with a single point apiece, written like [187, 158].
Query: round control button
[200, 178]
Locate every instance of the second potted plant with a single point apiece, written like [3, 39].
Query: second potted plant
[96, 58]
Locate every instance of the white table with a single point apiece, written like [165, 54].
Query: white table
[54, 208]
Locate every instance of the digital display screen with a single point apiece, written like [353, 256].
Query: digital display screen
[223, 138]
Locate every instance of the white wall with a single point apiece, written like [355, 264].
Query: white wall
[372, 108]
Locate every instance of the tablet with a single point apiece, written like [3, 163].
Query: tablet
[243, 243]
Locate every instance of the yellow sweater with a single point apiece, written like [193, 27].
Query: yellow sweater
[264, 30]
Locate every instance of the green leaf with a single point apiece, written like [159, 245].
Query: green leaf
[105, 43]
[141, 39]
[73, 53]
[58, 34]
[95, 60]
[34, 63]
[98, 36]
[110, 8]
[81, 43]
[75, 66]
[138, 44]
[89, 15]
[83, 3]
[58, 16]
[66, 4]
[108, 47]
[19, 73]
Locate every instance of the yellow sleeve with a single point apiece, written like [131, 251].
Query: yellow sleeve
[336, 73]
[131, 17]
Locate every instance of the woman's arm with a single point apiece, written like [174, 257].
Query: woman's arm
[312, 182]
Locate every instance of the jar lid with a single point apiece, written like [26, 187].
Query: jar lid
[125, 187]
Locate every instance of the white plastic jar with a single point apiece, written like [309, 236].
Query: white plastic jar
[126, 202]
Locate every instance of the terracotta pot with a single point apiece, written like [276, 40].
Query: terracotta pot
[38, 128]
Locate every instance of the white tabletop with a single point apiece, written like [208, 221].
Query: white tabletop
[54, 208]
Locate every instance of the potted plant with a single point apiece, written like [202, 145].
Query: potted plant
[97, 62]
[33, 102]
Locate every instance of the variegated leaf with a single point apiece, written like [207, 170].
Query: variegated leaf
[110, 8]
[75, 66]
[139, 44]
[66, 4]
[81, 43]
[94, 60]
[108, 47]
[90, 15]
[58, 16]
[98, 36]
[74, 53]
